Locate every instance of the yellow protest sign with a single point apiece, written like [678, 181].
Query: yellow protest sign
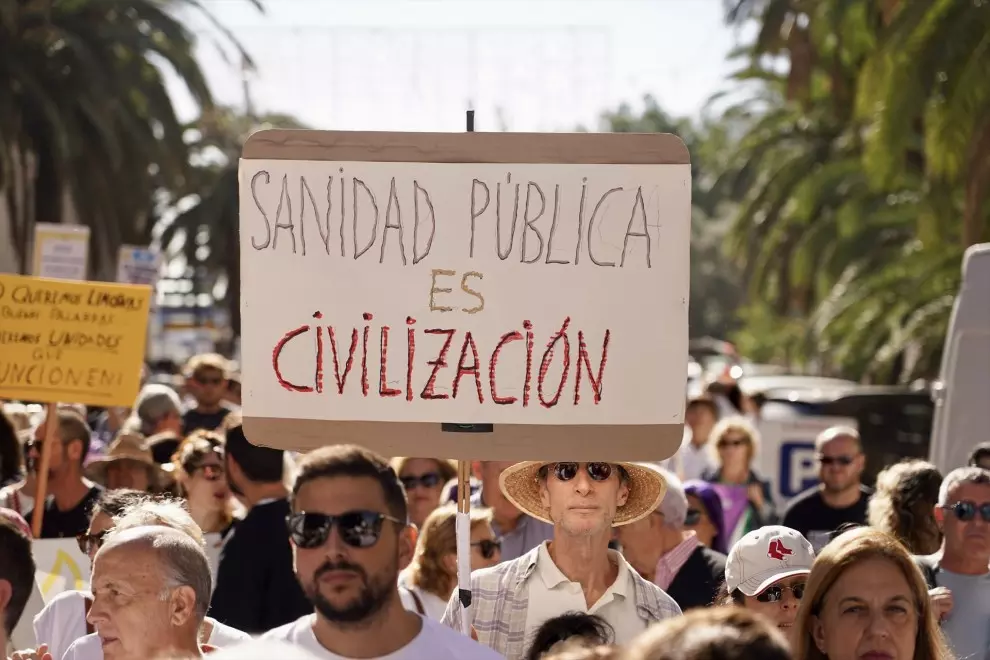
[71, 341]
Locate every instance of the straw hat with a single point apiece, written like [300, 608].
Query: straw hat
[521, 485]
[125, 447]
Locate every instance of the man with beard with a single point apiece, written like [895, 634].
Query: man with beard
[350, 534]
[256, 589]
[841, 497]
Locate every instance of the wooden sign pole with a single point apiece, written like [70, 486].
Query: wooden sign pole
[51, 436]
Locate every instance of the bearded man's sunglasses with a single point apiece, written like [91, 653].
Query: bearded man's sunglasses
[358, 529]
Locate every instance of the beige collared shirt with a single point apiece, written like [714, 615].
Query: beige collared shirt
[552, 594]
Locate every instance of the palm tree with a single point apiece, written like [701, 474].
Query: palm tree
[87, 128]
[932, 70]
[206, 234]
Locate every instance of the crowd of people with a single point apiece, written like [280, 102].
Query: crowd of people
[202, 542]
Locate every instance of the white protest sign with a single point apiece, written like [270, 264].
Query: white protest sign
[60, 251]
[547, 298]
[60, 566]
[138, 265]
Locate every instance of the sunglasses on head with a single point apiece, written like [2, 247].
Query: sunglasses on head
[428, 480]
[208, 380]
[567, 471]
[844, 461]
[91, 542]
[734, 442]
[488, 547]
[358, 529]
[967, 510]
[775, 593]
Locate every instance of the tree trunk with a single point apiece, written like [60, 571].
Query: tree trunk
[976, 185]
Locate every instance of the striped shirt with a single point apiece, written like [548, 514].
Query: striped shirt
[500, 601]
[672, 562]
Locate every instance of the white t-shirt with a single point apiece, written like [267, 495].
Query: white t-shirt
[62, 621]
[88, 647]
[434, 641]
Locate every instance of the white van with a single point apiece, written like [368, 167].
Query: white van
[962, 398]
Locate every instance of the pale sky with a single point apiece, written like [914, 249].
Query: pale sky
[530, 65]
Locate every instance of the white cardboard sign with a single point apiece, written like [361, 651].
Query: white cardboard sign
[507, 294]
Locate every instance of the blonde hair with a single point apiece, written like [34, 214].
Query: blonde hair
[437, 539]
[447, 469]
[740, 425]
[902, 504]
[847, 550]
[206, 361]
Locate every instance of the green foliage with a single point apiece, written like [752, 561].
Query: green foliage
[715, 291]
[87, 128]
[862, 177]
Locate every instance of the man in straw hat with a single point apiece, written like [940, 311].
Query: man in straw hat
[575, 571]
[127, 464]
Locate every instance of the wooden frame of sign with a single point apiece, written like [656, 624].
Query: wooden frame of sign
[654, 440]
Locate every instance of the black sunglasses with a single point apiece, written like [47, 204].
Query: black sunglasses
[567, 471]
[967, 510]
[488, 547]
[775, 593]
[693, 517]
[358, 529]
[91, 542]
[428, 480]
[844, 461]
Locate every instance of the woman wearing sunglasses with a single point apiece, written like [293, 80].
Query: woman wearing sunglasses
[705, 516]
[432, 575]
[766, 572]
[423, 479]
[199, 474]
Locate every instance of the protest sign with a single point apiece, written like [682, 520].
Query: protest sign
[539, 283]
[138, 265]
[59, 566]
[71, 341]
[60, 251]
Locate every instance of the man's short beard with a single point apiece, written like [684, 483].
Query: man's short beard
[373, 597]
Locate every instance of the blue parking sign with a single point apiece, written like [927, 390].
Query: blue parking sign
[798, 467]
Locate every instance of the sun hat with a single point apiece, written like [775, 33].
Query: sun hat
[766, 555]
[125, 447]
[521, 485]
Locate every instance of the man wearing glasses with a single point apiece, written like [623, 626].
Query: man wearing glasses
[575, 571]
[840, 498]
[206, 380]
[350, 535]
[958, 574]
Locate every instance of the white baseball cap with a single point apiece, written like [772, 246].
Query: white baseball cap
[766, 555]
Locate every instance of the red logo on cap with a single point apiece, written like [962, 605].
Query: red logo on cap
[778, 550]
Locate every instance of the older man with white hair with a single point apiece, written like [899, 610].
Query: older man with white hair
[151, 588]
[668, 555]
[170, 514]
